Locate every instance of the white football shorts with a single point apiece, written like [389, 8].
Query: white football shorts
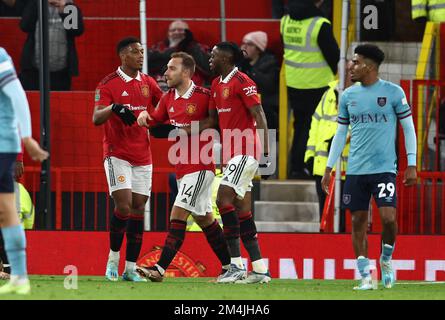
[239, 173]
[195, 192]
[122, 175]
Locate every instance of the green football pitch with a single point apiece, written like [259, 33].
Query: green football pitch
[96, 288]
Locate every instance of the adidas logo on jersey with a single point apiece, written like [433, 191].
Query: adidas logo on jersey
[124, 94]
[171, 109]
[184, 200]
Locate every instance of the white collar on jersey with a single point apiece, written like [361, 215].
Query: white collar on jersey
[188, 93]
[127, 78]
[229, 76]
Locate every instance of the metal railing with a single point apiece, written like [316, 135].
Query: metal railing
[81, 200]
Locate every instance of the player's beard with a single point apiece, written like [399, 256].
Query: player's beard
[172, 83]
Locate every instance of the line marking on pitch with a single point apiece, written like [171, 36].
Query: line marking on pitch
[425, 282]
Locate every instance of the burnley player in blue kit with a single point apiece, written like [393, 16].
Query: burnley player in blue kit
[372, 109]
[15, 127]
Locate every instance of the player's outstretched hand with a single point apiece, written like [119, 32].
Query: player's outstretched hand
[126, 115]
[35, 152]
[326, 180]
[144, 118]
[410, 176]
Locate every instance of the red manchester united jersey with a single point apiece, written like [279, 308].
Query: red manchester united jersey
[138, 94]
[190, 155]
[232, 97]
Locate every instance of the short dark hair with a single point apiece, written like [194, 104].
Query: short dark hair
[125, 43]
[233, 49]
[370, 51]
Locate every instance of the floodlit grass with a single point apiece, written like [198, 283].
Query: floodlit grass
[96, 288]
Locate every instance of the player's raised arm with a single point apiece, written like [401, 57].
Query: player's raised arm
[101, 114]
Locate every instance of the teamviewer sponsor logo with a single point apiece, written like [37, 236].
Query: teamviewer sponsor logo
[134, 108]
[224, 110]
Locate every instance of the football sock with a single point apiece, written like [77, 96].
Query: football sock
[118, 224]
[363, 266]
[129, 266]
[19, 280]
[173, 242]
[238, 262]
[160, 269]
[231, 229]
[215, 237]
[259, 266]
[387, 251]
[114, 256]
[135, 232]
[3, 257]
[249, 235]
[15, 247]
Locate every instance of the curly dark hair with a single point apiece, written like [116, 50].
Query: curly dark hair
[370, 51]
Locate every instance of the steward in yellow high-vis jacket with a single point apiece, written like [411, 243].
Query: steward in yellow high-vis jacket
[311, 55]
[24, 205]
[428, 10]
[323, 128]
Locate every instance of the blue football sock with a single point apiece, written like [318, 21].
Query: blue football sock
[387, 251]
[363, 266]
[15, 247]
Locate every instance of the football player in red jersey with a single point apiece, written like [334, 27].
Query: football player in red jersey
[235, 105]
[183, 104]
[120, 97]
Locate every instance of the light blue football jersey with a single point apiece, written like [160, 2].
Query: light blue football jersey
[372, 113]
[9, 135]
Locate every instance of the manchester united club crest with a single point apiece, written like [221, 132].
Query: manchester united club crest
[145, 91]
[181, 266]
[226, 93]
[190, 108]
[381, 101]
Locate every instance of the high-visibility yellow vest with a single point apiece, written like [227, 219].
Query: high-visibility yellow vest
[323, 128]
[191, 224]
[305, 66]
[24, 206]
[433, 10]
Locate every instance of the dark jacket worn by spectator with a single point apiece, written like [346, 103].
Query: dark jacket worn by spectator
[12, 8]
[262, 67]
[265, 72]
[63, 60]
[159, 55]
[307, 79]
